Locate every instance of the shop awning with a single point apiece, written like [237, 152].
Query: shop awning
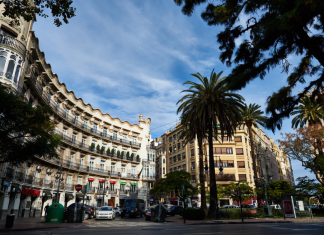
[122, 183]
[112, 182]
[90, 179]
[101, 181]
[133, 184]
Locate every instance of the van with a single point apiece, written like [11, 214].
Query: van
[133, 208]
[275, 206]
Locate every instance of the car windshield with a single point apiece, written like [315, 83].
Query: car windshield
[169, 206]
[172, 207]
[130, 203]
[106, 209]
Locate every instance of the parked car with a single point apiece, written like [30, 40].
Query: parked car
[95, 211]
[106, 212]
[314, 206]
[275, 206]
[117, 211]
[229, 206]
[133, 208]
[89, 212]
[174, 210]
[148, 214]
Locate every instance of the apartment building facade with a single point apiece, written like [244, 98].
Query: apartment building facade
[96, 148]
[234, 155]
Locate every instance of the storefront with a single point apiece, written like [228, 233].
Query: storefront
[173, 201]
[112, 199]
[46, 200]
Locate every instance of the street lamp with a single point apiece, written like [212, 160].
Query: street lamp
[218, 216]
[59, 178]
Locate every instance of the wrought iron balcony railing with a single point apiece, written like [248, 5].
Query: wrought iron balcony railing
[14, 43]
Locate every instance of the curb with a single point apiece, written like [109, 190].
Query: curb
[6, 230]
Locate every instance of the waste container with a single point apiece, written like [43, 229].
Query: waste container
[158, 213]
[10, 220]
[80, 213]
[55, 213]
[268, 211]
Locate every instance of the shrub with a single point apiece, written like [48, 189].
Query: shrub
[127, 154]
[122, 153]
[118, 153]
[137, 158]
[112, 151]
[193, 214]
[102, 149]
[93, 146]
[98, 147]
[108, 151]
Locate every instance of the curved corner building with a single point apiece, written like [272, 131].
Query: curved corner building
[87, 135]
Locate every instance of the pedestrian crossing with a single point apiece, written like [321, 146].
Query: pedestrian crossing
[104, 224]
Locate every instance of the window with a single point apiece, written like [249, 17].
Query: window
[113, 168]
[85, 124]
[223, 150]
[170, 160]
[183, 155]
[174, 147]
[10, 69]
[82, 161]
[115, 135]
[179, 146]
[64, 132]
[183, 143]
[163, 160]
[193, 177]
[49, 97]
[242, 177]
[229, 150]
[122, 187]
[192, 166]
[95, 127]
[112, 187]
[241, 164]
[69, 180]
[192, 152]
[133, 170]
[170, 139]
[72, 158]
[58, 105]
[74, 138]
[184, 167]
[225, 138]
[163, 170]
[104, 132]
[67, 113]
[174, 137]
[125, 137]
[179, 133]
[237, 138]
[239, 151]
[91, 163]
[76, 119]
[226, 163]
[102, 165]
[123, 169]
[79, 180]
[163, 140]
[134, 140]
[83, 143]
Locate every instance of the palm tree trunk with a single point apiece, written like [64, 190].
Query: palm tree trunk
[212, 206]
[249, 125]
[201, 177]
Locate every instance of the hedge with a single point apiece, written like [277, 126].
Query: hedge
[193, 214]
[235, 213]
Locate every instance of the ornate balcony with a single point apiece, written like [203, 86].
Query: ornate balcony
[14, 43]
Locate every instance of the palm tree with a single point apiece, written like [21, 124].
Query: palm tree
[192, 127]
[252, 116]
[219, 110]
[308, 111]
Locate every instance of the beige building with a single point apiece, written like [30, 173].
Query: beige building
[234, 155]
[87, 134]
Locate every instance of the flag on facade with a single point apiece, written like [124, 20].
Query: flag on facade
[140, 173]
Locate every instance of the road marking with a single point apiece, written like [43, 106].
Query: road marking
[178, 229]
[303, 229]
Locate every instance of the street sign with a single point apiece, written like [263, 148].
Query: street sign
[85, 188]
[78, 187]
[162, 200]
[236, 193]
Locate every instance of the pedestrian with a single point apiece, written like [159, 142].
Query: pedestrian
[45, 209]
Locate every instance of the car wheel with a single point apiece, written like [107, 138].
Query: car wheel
[91, 216]
[86, 216]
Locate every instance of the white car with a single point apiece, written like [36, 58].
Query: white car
[229, 206]
[106, 212]
[117, 211]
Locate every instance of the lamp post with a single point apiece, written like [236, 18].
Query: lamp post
[260, 183]
[58, 178]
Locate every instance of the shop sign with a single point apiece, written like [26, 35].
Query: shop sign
[101, 181]
[91, 179]
[6, 183]
[31, 192]
[172, 198]
[113, 182]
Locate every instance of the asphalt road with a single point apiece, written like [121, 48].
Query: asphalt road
[141, 227]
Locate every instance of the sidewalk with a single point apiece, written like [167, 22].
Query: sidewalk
[34, 223]
[179, 220]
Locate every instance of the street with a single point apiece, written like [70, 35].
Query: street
[140, 226]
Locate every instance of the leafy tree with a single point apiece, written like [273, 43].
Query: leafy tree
[307, 186]
[25, 131]
[220, 193]
[308, 111]
[246, 191]
[306, 145]
[275, 190]
[219, 109]
[278, 30]
[61, 10]
[192, 127]
[173, 182]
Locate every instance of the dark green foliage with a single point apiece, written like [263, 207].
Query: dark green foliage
[108, 151]
[307, 186]
[122, 153]
[98, 147]
[118, 153]
[275, 190]
[173, 182]
[93, 146]
[193, 214]
[113, 152]
[102, 149]
[137, 157]
[25, 131]
[132, 155]
[277, 30]
[235, 213]
[61, 10]
[127, 154]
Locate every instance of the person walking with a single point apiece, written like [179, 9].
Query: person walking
[45, 209]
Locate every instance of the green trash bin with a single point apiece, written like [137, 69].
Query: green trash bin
[55, 213]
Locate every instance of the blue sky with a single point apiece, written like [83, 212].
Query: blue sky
[132, 56]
